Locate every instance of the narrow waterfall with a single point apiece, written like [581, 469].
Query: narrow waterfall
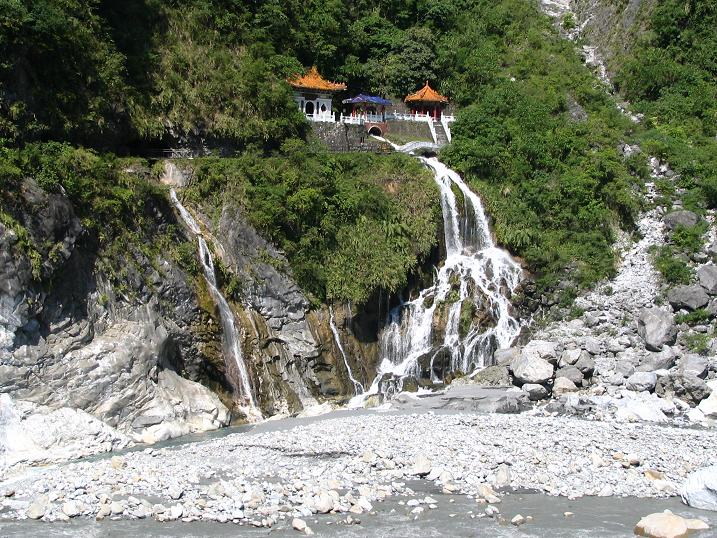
[456, 324]
[236, 368]
[358, 387]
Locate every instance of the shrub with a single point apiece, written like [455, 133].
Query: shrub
[696, 317]
[688, 239]
[674, 270]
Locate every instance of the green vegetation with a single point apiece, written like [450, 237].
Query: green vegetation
[349, 224]
[696, 317]
[671, 77]
[688, 239]
[114, 203]
[674, 270]
[698, 342]
[556, 187]
[150, 73]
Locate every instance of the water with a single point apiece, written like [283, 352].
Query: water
[456, 516]
[476, 276]
[358, 387]
[230, 334]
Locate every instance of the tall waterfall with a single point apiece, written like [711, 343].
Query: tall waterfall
[358, 387]
[230, 335]
[476, 278]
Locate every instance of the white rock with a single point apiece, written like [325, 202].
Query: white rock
[708, 406]
[421, 465]
[700, 489]
[531, 369]
[176, 511]
[38, 507]
[641, 382]
[562, 385]
[71, 509]
[298, 524]
[517, 520]
[323, 503]
[662, 525]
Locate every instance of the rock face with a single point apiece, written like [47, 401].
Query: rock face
[689, 297]
[528, 368]
[134, 341]
[37, 434]
[657, 328]
[700, 489]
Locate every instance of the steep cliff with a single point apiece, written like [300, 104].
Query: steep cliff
[129, 354]
[115, 330]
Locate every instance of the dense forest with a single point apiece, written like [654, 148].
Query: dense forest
[537, 135]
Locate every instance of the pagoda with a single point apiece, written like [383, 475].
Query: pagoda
[427, 101]
[314, 94]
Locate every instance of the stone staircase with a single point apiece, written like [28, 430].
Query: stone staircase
[441, 137]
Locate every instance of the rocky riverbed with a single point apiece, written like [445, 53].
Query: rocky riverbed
[347, 464]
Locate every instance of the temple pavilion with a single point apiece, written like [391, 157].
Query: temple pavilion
[427, 101]
[367, 106]
[314, 94]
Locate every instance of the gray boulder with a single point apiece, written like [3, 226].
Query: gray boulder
[656, 327]
[688, 388]
[542, 349]
[570, 357]
[689, 297]
[625, 369]
[586, 364]
[708, 278]
[531, 369]
[680, 218]
[661, 360]
[535, 392]
[641, 382]
[695, 365]
[572, 373]
[700, 489]
[562, 386]
[712, 250]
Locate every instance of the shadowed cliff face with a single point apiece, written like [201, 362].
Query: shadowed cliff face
[133, 339]
[130, 355]
[292, 354]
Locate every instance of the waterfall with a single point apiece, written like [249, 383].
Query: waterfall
[230, 334]
[358, 387]
[475, 271]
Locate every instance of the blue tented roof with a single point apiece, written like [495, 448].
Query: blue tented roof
[369, 99]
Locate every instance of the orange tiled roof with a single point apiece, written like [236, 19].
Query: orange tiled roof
[312, 80]
[426, 94]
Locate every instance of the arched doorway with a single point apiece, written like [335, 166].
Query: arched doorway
[309, 108]
[375, 131]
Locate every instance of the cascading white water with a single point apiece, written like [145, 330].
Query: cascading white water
[230, 334]
[358, 387]
[474, 270]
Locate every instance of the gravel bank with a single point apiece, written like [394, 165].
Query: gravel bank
[346, 463]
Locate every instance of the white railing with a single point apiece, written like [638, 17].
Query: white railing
[380, 118]
[354, 120]
[408, 117]
[445, 121]
[321, 117]
[433, 130]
